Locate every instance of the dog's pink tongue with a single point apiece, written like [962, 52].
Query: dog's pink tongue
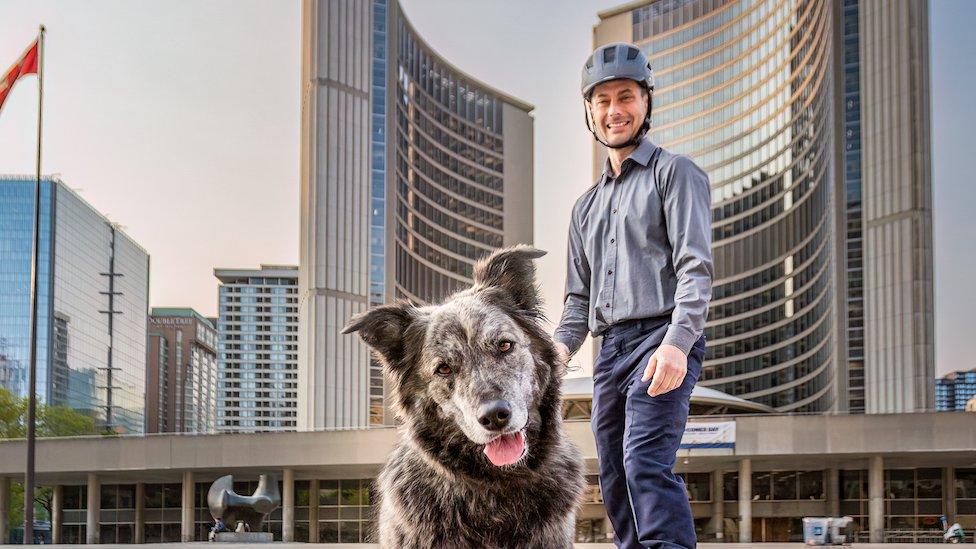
[506, 449]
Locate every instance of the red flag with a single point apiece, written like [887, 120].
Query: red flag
[27, 64]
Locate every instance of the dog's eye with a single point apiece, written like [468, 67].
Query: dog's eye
[444, 369]
[505, 346]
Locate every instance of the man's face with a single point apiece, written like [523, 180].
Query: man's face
[618, 108]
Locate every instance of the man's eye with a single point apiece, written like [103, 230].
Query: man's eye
[444, 369]
[505, 346]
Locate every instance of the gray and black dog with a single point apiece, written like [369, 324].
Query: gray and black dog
[476, 381]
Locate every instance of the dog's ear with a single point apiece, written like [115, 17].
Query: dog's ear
[382, 328]
[512, 270]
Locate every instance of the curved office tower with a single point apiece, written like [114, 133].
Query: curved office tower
[747, 94]
[744, 88]
[462, 171]
[411, 171]
[768, 96]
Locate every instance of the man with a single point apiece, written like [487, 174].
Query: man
[640, 275]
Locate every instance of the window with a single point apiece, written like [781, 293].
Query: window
[810, 485]
[698, 486]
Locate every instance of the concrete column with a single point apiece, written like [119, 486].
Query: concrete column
[186, 529]
[876, 499]
[833, 492]
[57, 513]
[94, 509]
[313, 511]
[745, 500]
[717, 522]
[139, 529]
[288, 505]
[4, 509]
[949, 493]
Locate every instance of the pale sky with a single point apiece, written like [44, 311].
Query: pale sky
[180, 120]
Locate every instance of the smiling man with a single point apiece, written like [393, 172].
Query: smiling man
[640, 276]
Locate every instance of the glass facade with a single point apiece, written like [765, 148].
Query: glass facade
[377, 182]
[914, 501]
[854, 260]
[448, 173]
[257, 357]
[16, 234]
[744, 89]
[344, 509]
[93, 300]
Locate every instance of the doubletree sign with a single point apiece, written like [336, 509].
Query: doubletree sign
[171, 320]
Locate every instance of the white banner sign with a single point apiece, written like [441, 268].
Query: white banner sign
[709, 435]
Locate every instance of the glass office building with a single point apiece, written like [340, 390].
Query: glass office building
[767, 96]
[744, 89]
[92, 305]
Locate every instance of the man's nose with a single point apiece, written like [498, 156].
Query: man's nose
[615, 110]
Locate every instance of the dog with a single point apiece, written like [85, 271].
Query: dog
[476, 382]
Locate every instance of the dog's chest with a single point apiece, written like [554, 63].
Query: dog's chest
[499, 515]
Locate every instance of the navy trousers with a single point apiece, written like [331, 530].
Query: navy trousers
[637, 438]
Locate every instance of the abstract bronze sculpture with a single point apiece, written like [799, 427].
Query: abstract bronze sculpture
[231, 508]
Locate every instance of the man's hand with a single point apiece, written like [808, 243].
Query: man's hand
[563, 352]
[667, 366]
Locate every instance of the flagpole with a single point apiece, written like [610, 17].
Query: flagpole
[35, 255]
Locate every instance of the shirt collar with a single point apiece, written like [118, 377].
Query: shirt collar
[641, 155]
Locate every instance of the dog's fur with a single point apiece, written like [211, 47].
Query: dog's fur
[438, 488]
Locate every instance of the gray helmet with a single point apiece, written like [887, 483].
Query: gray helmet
[613, 61]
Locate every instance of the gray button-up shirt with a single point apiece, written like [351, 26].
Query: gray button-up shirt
[640, 246]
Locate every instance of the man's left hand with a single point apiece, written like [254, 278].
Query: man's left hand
[667, 368]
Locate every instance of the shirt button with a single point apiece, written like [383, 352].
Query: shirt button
[614, 210]
[610, 272]
[612, 241]
[607, 305]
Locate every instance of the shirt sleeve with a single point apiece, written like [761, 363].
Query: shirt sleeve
[688, 215]
[573, 326]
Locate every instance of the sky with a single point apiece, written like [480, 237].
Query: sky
[180, 120]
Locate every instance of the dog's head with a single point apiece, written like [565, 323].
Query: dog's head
[476, 373]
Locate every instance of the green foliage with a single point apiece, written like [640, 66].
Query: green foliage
[12, 413]
[52, 421]
[61, 421]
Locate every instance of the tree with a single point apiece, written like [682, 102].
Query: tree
[12, 412]
[52, 421]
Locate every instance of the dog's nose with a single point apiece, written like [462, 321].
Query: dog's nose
[494, 415]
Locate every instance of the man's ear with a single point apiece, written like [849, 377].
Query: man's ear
[383, 328]
[513, 271]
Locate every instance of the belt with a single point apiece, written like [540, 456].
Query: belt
[635, 325]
